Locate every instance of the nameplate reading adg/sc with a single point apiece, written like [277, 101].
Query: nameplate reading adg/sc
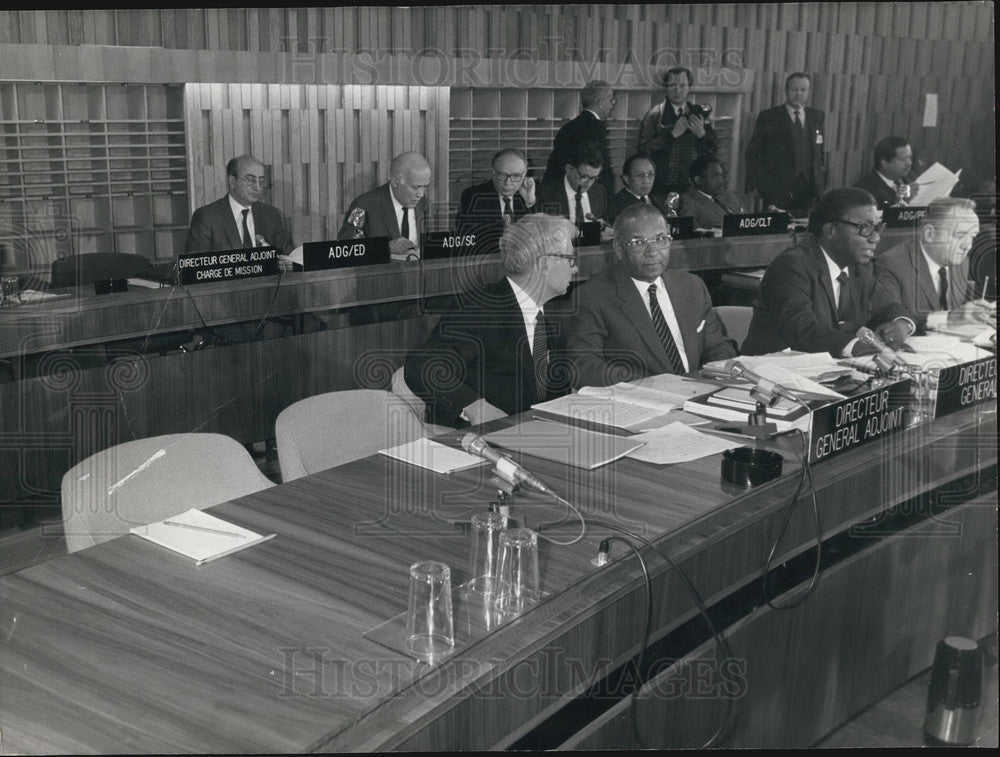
[227, 265]
[449, 244]
[345, 253]
[754, 224]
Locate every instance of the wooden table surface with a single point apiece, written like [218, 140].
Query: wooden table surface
[129, 648]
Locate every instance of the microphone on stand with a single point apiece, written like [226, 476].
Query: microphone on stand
[592, 217]
[477, 445]
[357, 220]
[886, 356]
[764, 386]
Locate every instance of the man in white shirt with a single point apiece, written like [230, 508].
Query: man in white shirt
[576, 195]
[929, 275]
[889, 180]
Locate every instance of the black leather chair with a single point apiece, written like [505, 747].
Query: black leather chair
[80, 270]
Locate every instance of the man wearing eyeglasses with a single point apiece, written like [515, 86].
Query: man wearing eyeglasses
[815, 296]
[638, 175]
[639, 319]
[485, 209]
[929, 275]
[576, 195]
[239, 219]
[497, 351]
[598, 101]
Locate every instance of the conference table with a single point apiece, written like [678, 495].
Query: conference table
[294, 645]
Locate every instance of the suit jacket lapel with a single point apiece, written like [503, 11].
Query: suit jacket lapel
[634, 310]
[925, 282]
[389, 212]
[233, 233]
[820, 268]
[685, 320]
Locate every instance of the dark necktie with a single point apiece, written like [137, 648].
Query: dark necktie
[645, 199]
[722, 205]
[798, 121]
[579, 207]
[508, 211]
[540, 357]
[246, 229]
[666, 338]
[943, 287]
[404, 228]
[844, 304]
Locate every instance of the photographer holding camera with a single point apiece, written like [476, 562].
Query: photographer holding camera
[675, 132]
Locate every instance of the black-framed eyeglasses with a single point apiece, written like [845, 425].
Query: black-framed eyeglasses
[258, 181]
[574, 258]
[638, 244]
[865, 229]
[514, 177]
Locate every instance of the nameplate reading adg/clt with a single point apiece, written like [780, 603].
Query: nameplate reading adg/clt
[753, 224]
[227, 265]
[847, 423]
[345, 253]
[965, 385]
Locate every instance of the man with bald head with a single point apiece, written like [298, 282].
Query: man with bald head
[239, 219]
[929, 274]
[396, 209]
[486, 208]
[597, 100]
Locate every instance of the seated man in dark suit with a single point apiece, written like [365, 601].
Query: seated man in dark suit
[890, 181]
[708, 200]
[638, 175]
[816, 295]
[639, 319]
[485, 209]
[575, 195]
[929, 275]
[239, 219]
[497, 352]
[395, 210]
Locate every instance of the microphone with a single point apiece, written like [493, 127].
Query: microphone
[737, 370]
[477, 445]
[357, 220]
[866, 336]
[261, 242]
[592, 217]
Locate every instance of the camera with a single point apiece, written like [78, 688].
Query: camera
[697, 109]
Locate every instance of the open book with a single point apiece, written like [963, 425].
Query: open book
[200, 536]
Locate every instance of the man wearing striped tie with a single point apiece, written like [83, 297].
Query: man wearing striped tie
[708, 200]
[639, 319]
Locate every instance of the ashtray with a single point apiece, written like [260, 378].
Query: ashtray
[746, 466]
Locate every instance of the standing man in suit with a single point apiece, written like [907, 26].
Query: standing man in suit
[395, 210]
[708, 200]
[638, 175]
[576, 195]
[816, 295]
[639, 319]
[888, 181]
[239, 219]
[929, 275]
[598, 101]
[485, 209]
[497, 352]
[675, 132]
[786, 158]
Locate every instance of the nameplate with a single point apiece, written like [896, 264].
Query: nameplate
[966, 385]
[590, 234]
[227, 265]
[344, 253]
[448, 244]
[903, 218]
[752, 224]
[682, 227]
[854, 421]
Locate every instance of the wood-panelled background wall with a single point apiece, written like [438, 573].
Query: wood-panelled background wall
[871, 63]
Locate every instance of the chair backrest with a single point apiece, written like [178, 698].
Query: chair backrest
[402, 390]
[79, 270]
[331, 429]
[736, 320]
[140, 482]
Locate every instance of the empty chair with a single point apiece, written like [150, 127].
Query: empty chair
[331, 429]
[150, 479]
[79, 270]
[402, 390]
[736, 320]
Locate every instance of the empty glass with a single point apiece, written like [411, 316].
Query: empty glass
[518, 588]
[9, 289]
[484, 552]
[430, 631]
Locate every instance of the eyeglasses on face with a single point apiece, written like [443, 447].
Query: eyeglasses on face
[865, 229]
[573, 259]
[254, 181]
[638, 244]
[643, 175]
[505, 177]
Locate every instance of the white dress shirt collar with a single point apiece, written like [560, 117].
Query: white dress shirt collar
[571, 198]
[398, 207]
[667, 307]
[529, 311]
[237, 210]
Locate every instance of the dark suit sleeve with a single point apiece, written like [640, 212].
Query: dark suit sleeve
[274, 230]
[598, 201]
[199, 236]
[755, 153]
[437, 370]
[715, 345]
[465, 207]
[588, 338]
[651, 137]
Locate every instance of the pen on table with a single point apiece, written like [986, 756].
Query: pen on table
[986, 282]
[202, 529]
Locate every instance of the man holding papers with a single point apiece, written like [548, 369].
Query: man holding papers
[929, 275]
[816, 295]
[493, 355]
[637, 318]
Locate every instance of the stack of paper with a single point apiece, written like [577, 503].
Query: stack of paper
[677, 443]
[937, 181]
[569, 445]
[200, 536]
[432, 455]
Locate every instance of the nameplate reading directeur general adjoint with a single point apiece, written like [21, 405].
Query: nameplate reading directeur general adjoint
[345, 253]
[227, 265]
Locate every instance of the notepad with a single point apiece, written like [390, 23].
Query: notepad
[200, 536]
[433, 455]
[569, 445]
